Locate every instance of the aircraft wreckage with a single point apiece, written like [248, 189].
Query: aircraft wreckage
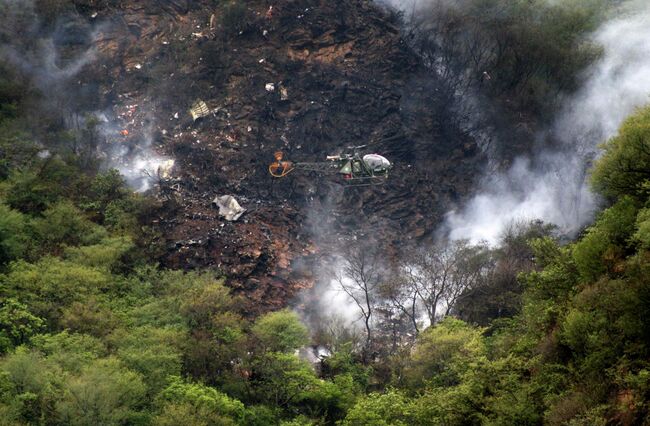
[356, 170]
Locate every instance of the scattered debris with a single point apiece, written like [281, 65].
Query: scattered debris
[199, 109]
[229, 208]
[284, 93]
[165, 169]
[332, 68]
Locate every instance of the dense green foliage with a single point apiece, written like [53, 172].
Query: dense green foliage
[577, 354]
[93, 332]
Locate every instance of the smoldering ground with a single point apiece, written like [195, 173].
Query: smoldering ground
[552, 184]
[52, 56]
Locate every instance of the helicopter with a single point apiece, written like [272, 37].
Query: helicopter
[356, 170]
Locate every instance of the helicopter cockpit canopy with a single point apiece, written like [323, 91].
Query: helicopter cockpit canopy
[376, 162]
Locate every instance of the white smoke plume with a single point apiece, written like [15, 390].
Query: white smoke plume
[137, 159]
[554, 186]
[28, 49]
[32, 49]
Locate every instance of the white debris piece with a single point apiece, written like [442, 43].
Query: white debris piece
[284, 93]
[270, 87]
[199, 109]
[138, 66]
[165, 169]
[229, 208]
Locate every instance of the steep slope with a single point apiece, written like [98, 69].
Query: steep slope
[342, 75]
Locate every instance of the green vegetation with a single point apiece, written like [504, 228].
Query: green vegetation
[93, 332]
[577, 354]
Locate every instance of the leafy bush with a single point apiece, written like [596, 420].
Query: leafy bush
[14, 240]
[606, 241]
[208, 404]
[17, 324]
[280, 331]
[624, 169]
[442, 354]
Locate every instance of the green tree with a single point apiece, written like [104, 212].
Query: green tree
[624, 168]
[283, 380]
[17, 324]
[106, 254]
[32, 190]
[50, 285]
[63, 224]
[31, 384]
[280, 331]
[606, 242]
[390, 409]
[642, 229]
[70, 351]
[208, 404]
[104, 393]
[153, 352]
[443, 353]
[14, 240]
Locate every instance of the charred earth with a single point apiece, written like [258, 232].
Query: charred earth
[310, 78]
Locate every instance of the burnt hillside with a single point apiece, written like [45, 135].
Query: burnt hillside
[342, 75]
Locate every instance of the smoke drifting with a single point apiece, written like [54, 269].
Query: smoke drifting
[136, 159]
[52, 56]
[553, 186]
[36, 52]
